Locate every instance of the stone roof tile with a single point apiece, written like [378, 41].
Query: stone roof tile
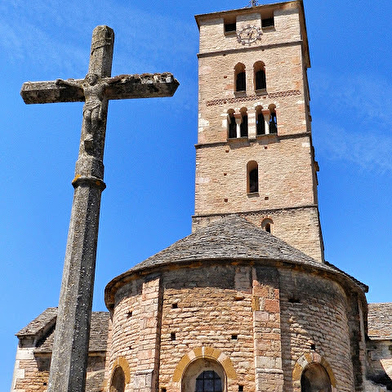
[231, 237]
[39, 323]
[46, 322]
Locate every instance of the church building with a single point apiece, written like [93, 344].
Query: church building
[246, 302]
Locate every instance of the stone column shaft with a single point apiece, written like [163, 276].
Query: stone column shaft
[70, 349]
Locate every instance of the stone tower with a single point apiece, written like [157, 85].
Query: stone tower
[254, 155]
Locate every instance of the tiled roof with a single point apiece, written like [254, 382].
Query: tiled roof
[230, 238]
[39, 324]
[380, 321]
[46, 321]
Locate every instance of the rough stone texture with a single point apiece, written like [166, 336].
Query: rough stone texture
[380, 321]
[286, 165]
[35, 347]
[120, 87]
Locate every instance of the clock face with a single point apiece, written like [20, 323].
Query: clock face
[248, 35]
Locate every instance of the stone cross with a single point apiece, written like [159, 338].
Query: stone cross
[70, 350]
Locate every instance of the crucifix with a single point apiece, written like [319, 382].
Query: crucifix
[70, 349]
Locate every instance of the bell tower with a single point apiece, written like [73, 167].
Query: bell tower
[254, 155]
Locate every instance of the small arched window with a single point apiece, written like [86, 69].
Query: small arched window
[240, 77]
[267, 225]
[204, 375]
[260, 121]
[315, 379]
[118, 380]
[244, 123]
[253, 177]
[260, 81]
[231, 124]
[273, 124]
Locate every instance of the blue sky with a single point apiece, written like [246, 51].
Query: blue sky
[149, 155]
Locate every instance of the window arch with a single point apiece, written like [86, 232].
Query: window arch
[240, 77]
[267, 225]
[253, 177]
[117, 383]
[244, 123]
[315, 378]
[204, 375]
[273, 124]
[260, 81]
[260, 121]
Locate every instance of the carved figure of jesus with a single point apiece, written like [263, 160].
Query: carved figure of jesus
[94, 93]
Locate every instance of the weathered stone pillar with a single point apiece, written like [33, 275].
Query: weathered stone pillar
[266, 115]
[266, 329]
[238, 121]
[70, 351]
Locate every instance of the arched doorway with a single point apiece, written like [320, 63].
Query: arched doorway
[204, 375]
[315, 378]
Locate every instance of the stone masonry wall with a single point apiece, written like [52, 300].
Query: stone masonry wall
[32, 372]
[284, 177]
[208, 307]
[262, 323]
[315, 323]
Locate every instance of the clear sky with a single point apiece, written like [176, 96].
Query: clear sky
[150, 157]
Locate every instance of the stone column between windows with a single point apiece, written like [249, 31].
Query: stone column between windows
[266, 114]
[146, 372]
[238, 121]
[252, 125]
[266, 330]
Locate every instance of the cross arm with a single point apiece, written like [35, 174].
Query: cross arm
[141, 86]
[49, 92]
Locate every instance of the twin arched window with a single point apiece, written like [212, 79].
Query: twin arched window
[237, 124]
[259, 77]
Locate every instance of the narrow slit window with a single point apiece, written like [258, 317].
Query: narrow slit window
[253, 177]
